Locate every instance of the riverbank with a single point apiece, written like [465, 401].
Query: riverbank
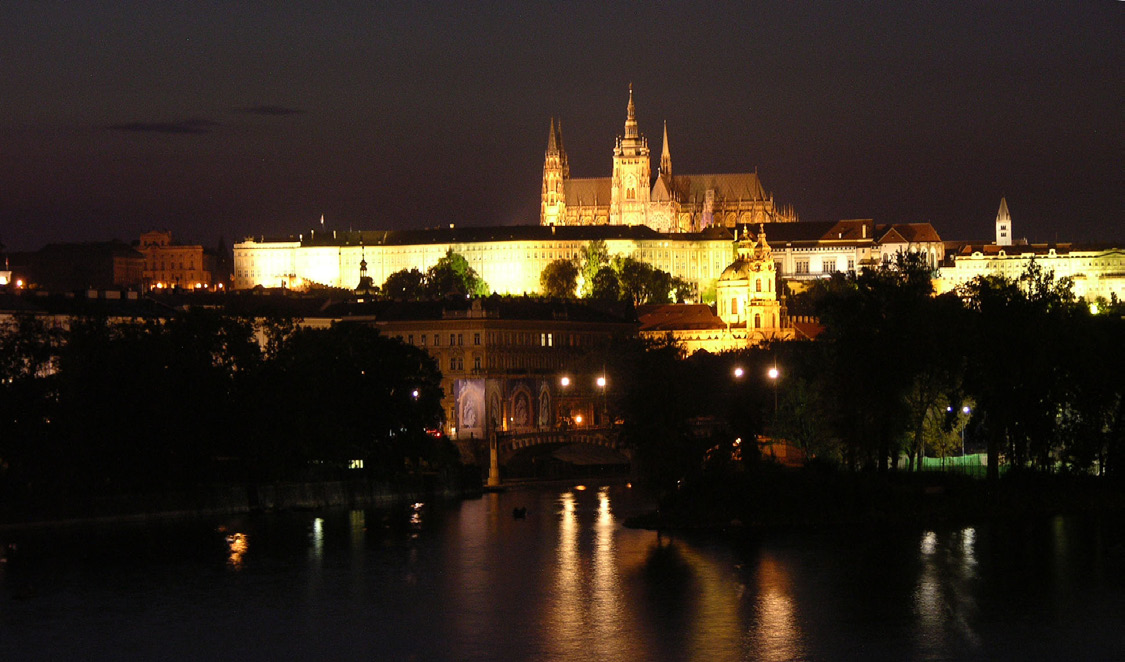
[210, 500]
[771, 497]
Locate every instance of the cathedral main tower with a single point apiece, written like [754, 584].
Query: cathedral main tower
[555, 169]
[631, 181]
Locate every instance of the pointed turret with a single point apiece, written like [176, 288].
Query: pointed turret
[562, 151]
[666, 155]
[631, 117]
[552, 141]
[1003, 224]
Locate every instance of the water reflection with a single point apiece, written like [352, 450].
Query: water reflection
[239, 544]
[944, 603]
[469, 581]
[776, 634]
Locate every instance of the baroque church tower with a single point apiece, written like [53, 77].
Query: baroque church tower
[631, 179]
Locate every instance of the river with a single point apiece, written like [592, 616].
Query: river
[469, 581]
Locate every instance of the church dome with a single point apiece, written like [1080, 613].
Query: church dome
[740, 269]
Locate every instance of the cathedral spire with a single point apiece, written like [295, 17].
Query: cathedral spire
[666, 155]
[631, 117]
[552, 145]
[562, 151]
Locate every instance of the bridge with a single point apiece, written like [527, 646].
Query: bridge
[503, 445]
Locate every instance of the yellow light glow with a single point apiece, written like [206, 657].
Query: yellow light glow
[580, 488]
[601, 382]
[773, 373]
[738, 372]
[578, 419]
[565, 381]
[1093, 309]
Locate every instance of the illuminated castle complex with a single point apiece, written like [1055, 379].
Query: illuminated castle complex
[633, 196]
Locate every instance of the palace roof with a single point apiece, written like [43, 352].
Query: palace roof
[500, 233]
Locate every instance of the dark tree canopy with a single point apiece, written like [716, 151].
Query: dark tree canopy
[559, 279]
[408, 284]
[453, 275]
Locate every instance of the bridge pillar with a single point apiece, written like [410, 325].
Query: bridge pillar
[493, 461]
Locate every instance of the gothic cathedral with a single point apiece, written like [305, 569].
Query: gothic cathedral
[633, 196]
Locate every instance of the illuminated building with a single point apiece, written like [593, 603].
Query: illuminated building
[502, 360]
[806, 251]
[175, 265]
[1097, 269]
[748, 310]
[509, 258]
[633, 196]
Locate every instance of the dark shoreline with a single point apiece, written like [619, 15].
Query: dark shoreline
[212, 500]
[778, 499]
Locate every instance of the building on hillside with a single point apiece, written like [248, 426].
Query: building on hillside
[510, 259]
[73, 267]
[503, 361]
[1096, 269]
[168, 264]
[749, 312]
[633, 195]
[807, 251]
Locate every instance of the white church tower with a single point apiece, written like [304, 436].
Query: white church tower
[1003, 225]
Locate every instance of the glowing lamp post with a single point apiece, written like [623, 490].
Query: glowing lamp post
[773, 375]
[605, 399]
[738, 372]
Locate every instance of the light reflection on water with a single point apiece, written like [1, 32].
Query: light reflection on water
[567, 581]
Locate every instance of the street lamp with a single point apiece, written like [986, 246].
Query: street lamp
[773, 375]
[738, 373]
[605, 399]
[565, 381]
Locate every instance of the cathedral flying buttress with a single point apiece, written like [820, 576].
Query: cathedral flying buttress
[633, 195]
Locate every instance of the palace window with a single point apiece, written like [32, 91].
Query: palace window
[476, 338]
[476, 363]
[802, 266]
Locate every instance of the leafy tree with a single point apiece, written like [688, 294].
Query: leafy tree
[606, 286]
[560, 279]
[453, 275]
[407, 284]
[593, 258]
[1019, 327]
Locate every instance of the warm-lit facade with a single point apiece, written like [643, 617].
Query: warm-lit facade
[174, 265]
[509, 258]
[1097, 270]
[807, 251]
[632, 195]
[502, 360]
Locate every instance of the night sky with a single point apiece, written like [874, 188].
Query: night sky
[233, 119]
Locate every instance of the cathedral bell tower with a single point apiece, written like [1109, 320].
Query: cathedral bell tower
[1003, 225]
[556, 170]
[630, 190]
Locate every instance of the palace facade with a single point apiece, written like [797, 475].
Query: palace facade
[1096, 269]
[632, 195]
[509, 258]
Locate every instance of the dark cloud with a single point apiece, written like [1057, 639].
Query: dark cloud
[190, 126]
[271, 111]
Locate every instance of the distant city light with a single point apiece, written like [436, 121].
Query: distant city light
[414, 393]
[601, 382]
[773, 373]
[738, 372]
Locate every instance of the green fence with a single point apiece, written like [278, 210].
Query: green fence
[970, 465]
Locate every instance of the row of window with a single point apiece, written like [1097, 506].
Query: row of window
[519, 338]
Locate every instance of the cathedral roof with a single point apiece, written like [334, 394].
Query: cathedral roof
[588, 191]
[729, 186]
